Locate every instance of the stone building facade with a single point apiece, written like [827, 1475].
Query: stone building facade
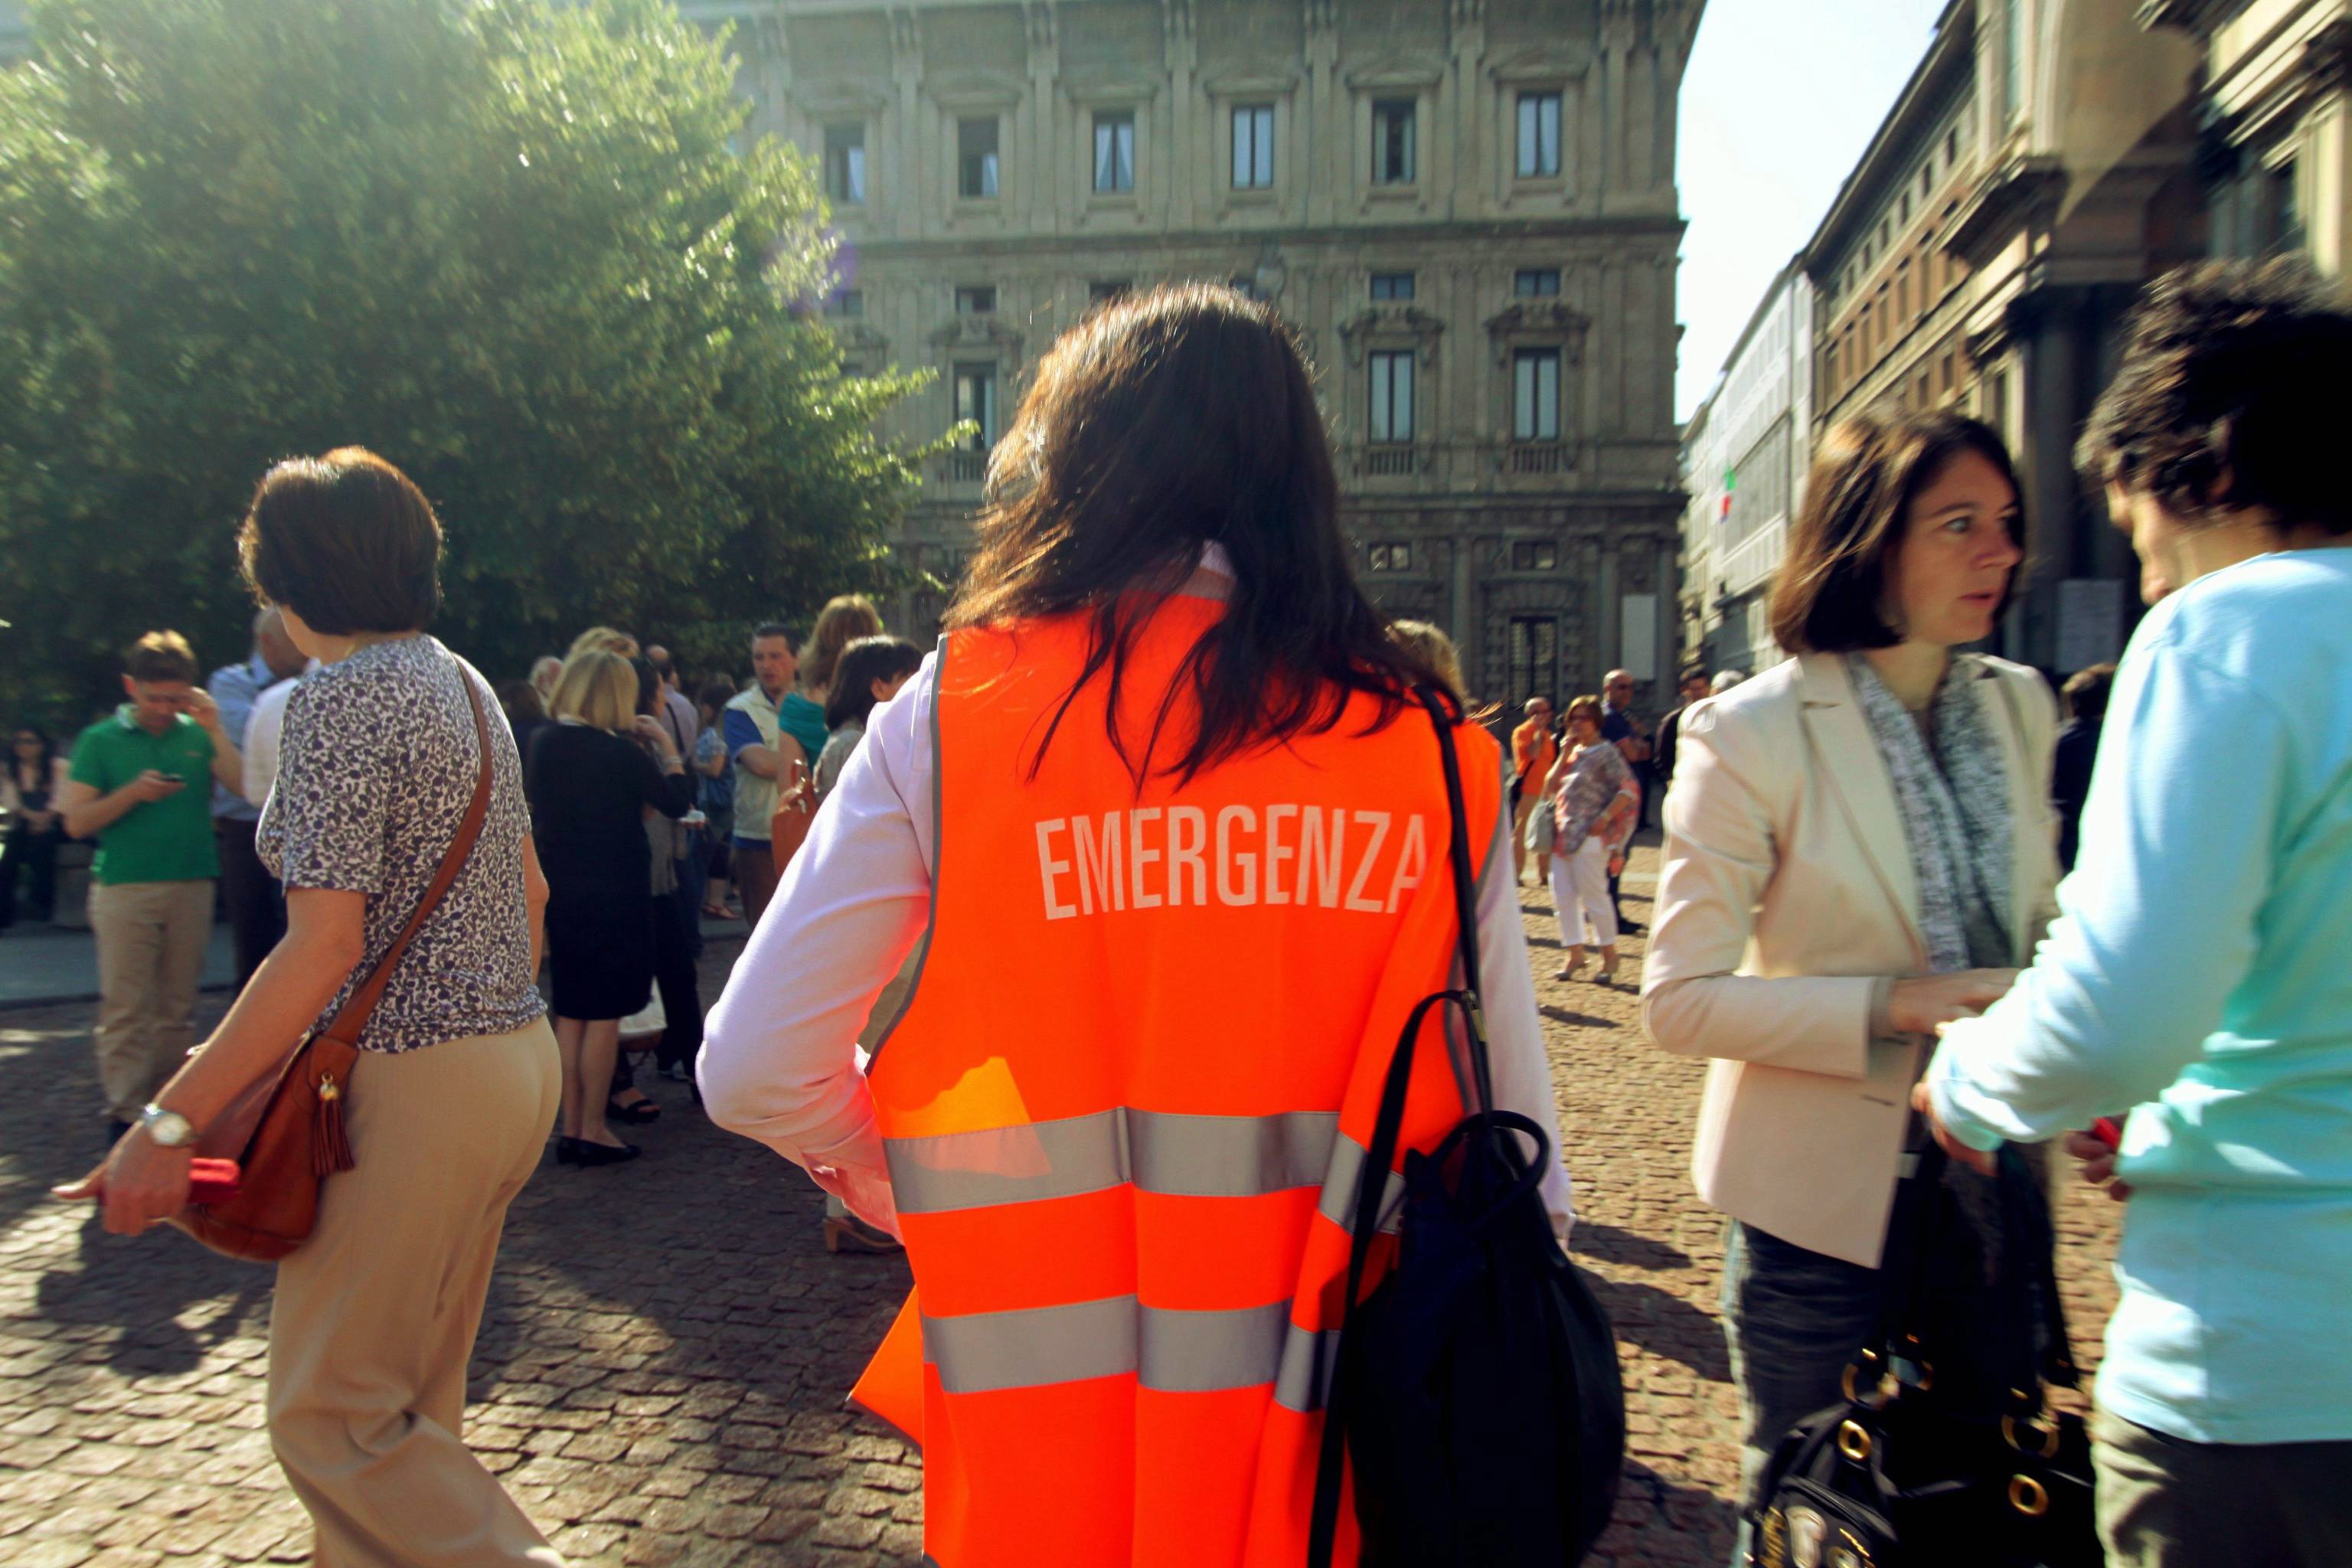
[2037, 171]
[2273, 118]
[1466, 207]
[1745, 456]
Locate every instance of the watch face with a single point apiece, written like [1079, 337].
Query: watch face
[168, 1128]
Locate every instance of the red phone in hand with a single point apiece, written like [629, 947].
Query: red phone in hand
[2107, 1130]
[209, 1182]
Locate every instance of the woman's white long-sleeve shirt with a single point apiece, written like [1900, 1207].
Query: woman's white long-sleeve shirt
[780, 1062]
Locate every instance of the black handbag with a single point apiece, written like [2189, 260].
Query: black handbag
[1885, 1478]
[1477, 1390]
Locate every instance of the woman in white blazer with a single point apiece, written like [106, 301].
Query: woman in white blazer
[1859, 847]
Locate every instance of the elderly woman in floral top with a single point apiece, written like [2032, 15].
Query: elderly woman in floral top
[1595, 802]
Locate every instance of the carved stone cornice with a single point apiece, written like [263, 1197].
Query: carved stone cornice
[1526, 320]
[2002, 200]
[2197, 17]
[1391, 324]
[974, 331]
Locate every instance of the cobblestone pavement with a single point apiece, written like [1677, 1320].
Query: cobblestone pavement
[661, 1368]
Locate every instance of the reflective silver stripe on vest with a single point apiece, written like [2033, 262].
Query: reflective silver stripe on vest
[1169, 1350]
[1157, 1151]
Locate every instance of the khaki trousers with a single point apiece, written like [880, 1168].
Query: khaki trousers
[151, 957]
[2167, 1502]
[375, 1316]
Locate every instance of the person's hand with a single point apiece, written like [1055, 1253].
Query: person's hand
[139, 1185]
[866, 1190]
[2099, 1167]
[200, 707]
[151, 786]
[648, 728]
[796, 791]
[1923, 1003]
[1924, 1102]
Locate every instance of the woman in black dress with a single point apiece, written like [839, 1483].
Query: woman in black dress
[592, 772]
[30, 819]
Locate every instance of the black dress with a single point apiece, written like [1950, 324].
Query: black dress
[589, 790]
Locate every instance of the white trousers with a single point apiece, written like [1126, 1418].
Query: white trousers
[1579, 891]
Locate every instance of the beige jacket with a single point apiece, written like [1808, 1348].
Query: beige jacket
[1787, 892]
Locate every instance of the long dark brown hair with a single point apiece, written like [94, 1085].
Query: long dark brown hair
[1162, 422]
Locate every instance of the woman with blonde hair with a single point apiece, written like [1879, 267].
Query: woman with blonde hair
[1595, 801]
[845, 620]
[594, 773]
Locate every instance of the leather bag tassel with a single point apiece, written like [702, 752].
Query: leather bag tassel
[332, 1151]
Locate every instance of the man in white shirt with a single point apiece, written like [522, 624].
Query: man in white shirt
[263, 731]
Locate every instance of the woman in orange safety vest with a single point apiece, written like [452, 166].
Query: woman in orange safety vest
[1172, 844]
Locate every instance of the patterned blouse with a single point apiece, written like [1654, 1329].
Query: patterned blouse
[1596, 775]
[378, 768]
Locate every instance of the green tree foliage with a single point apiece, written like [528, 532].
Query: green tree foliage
[522, 247]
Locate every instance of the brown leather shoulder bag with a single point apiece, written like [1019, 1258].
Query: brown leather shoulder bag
[286, 1132]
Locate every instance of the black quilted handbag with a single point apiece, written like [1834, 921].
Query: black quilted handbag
[1885, 1479]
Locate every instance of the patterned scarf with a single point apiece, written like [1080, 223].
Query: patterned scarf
[1952, 784]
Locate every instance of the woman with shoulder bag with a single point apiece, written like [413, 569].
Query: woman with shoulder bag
[455, 1085]
[1860, 847]
[1113, 1120]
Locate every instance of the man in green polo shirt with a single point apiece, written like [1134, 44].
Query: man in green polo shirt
[137, 783]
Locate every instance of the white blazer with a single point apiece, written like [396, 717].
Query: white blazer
[1787, 892]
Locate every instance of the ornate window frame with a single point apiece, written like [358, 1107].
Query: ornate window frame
[1536, 321]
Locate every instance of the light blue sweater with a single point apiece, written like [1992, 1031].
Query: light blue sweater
[2202, 974]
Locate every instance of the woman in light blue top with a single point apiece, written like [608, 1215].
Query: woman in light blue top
[2201, 972]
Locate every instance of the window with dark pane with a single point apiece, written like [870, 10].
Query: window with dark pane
[1535, 394]
[1539, 134]
[1391, 557]
[976, 299]
[1392, 403]
[1115, 150]
[1392, 285]
[1395, 124]
[844, 164]
[1536, 282]
[1254, 147]
[975, 399]
[1534, 555]
[976, 157]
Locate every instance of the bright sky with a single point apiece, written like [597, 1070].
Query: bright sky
[1779, 101]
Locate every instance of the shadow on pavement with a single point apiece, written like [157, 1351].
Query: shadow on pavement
[1608, 1244]
[1666, 1325]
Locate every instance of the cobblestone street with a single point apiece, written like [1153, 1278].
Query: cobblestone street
[661, 1370]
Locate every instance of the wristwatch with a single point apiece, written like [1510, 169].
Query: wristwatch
[166, 1128]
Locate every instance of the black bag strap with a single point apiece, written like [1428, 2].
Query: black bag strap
[2029, 1273]
[1372, 1185]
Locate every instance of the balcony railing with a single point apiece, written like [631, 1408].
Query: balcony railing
[964, 468]
[1391, 461]
[1535, 458]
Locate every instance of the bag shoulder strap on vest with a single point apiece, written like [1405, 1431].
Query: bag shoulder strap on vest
[354, 1017]
[1372, 1185]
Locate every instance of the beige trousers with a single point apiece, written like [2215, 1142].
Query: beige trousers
[375, 1316]
[151, 957]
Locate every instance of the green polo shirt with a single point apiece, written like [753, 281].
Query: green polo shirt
[168, 840]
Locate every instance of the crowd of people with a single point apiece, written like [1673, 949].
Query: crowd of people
[1029, 915]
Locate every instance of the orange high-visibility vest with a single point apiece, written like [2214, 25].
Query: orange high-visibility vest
[1127, 1105]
